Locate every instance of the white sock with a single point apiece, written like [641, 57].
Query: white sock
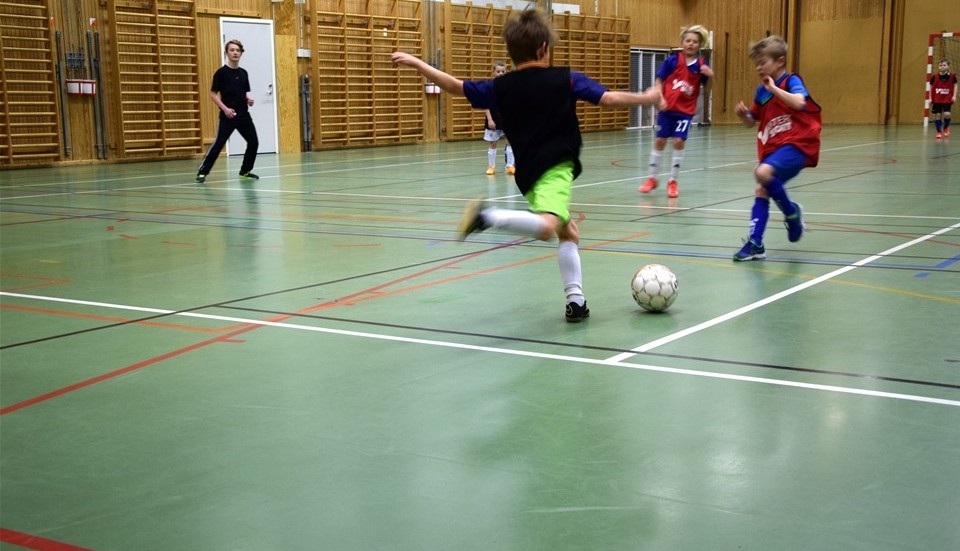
[568, 256]
[521, 222]
[655, 157]
[675, 167]
[491, 156]
[510, 159]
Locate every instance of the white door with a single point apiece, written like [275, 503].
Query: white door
[259, 61]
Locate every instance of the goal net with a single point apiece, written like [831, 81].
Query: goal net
[942, 46]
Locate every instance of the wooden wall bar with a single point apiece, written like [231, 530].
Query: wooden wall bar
[30, 122]
[864, 60]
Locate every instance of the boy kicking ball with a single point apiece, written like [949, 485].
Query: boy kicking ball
[536, 105]
[788, 141]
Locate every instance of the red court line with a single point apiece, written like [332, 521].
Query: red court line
[36, 542]
[45, 281]
[174, 353]
[281, 317]
[121, 371]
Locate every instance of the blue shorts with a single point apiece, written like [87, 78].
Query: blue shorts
[787, 160]
[671, 124]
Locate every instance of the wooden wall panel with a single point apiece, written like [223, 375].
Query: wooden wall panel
[472, 43]
[597, 46]
[733, 32]
[833, 39]
[209, 59]
[157, 85]
[600, 48]
[29, 124]
[653, 23]
[75, 20]
[359, 98]
[846, 86]
[235, 8]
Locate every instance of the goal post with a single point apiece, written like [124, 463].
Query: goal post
[942, 45]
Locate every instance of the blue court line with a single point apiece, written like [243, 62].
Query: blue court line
[940, 266]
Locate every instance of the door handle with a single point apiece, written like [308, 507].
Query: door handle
[270, 89]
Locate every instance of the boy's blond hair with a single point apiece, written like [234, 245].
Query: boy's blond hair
[525, 32]
[499, 63]
[698, 30]
[773, 46]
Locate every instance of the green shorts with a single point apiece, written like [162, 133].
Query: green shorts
[551, 193]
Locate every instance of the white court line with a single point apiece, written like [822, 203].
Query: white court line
[507, 351]
[773, 298]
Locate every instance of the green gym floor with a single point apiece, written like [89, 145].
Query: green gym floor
[314, 362]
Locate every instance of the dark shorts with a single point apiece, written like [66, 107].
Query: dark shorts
[941, 108]
[787, 160]
[671, 124]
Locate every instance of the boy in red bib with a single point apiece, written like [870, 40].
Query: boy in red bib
[943, 94]
[679, 79]
[788, 141]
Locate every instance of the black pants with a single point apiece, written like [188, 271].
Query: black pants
[243, 124]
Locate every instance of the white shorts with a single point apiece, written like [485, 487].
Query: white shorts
[492, 135]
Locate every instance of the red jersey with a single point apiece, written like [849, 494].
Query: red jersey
[941, 90]
[780, 125]
[682, 87]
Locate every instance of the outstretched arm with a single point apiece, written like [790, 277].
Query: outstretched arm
[447, 82]
[746, 117]
[611, 98]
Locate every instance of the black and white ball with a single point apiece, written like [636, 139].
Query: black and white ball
[654, 287]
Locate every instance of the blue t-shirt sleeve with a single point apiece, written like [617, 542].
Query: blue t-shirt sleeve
[479, 93]
[585, 88]
[667, 67]
[795, 86]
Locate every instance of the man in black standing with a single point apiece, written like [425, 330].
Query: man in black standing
[231, 92]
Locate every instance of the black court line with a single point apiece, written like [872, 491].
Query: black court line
[598, 348]
[252, 297]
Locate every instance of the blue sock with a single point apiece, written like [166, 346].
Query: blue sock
[938, 124]
[758, 219]
[778, 193]
[946, 124]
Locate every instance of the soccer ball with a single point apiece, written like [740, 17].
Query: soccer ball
[654, 287]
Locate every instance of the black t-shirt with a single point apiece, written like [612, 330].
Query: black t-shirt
[233, 85]
[495, 115]
[538, 111]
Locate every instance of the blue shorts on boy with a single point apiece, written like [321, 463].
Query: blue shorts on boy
[672, 124]
[788, 161]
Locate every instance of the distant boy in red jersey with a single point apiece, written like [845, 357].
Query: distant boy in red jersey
[679, 79]
[788, 141]
[943, 94]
